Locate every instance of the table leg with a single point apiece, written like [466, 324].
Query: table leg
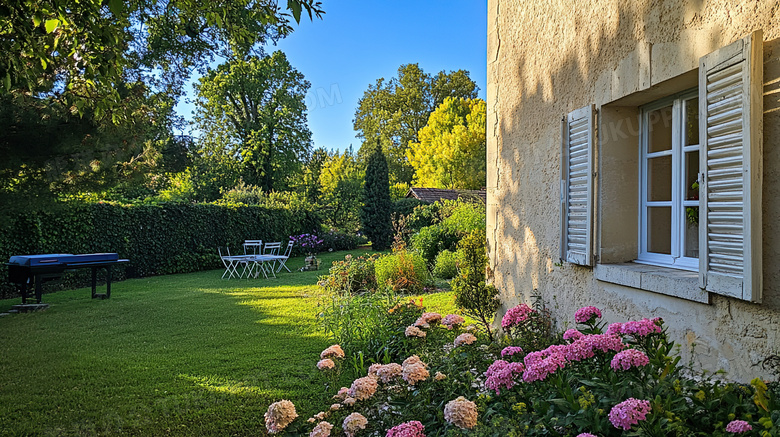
[108, 282]
[38, 289]
[94, 282]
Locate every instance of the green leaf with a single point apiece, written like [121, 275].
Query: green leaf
[115, 6]
[51, 25]
[295, 7]
[7, 80]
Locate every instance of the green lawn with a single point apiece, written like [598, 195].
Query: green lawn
[176, 355]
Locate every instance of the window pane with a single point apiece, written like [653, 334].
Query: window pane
[659, 229]
[691, 122]
[659, 172]
[660, 129]
[691, 232]
[692, 176]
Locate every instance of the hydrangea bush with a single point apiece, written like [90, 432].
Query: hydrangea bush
[595, 380]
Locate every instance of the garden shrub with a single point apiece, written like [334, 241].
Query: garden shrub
[431, 240]
[403, 271]
[352, 275]
[472, 295]
[596, 380]
[464, 218]
[445, 266]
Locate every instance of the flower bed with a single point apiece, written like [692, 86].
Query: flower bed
[595, 380]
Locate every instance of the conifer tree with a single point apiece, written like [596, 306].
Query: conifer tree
[377, 205]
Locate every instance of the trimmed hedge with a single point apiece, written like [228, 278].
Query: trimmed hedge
[157, 239]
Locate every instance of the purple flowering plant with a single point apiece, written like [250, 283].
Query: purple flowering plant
[309, 243]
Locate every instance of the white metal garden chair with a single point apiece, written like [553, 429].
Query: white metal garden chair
[285, 257]
[271, 253]
[232, 263]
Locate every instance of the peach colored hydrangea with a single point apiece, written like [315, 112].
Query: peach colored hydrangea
[461, 412]
[453, 320]
[420, 323]
[431, 317]
[412, 360]
[414, 373]
[363, 388]
[388, 372]
[342, 394]
[413, 331]
[325, 364]
[279, 415]
[335, 407]
[465, 338]
[354, 423]
[439, 376]
[321, 430]
[350, 401]
[334, 351]
[373, 370]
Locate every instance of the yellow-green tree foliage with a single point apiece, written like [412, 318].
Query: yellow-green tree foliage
[452, 148]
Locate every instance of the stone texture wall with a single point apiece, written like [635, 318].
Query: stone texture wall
[548, 58]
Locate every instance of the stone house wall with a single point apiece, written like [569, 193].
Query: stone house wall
[548, 58]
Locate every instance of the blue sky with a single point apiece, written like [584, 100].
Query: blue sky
[357, 42]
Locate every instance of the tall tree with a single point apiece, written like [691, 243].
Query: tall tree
[377, 205]
[452, 148]
[82, 50]
[257, 108]
[394, 111]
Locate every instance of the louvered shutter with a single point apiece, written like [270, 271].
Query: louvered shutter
[730, 119]
[577, 186]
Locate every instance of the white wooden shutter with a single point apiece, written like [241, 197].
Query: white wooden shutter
[730, 123]
[577, 186]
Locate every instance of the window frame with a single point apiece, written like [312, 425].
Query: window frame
[678, 203]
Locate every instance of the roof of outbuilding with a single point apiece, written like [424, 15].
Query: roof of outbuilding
[431, 195]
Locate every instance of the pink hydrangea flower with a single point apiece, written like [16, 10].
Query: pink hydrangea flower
[516, 315]
[628, 413]
[586, 434]
[501, 374]
[465, 338]
[586, 314]
[738, 426]
[639, 328]
[511, 350]
[629, 358]
[413, 428]
[541, 369]
[572, 334]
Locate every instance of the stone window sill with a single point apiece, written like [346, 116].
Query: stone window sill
[671, 282]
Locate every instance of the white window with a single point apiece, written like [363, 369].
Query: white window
[669, 188]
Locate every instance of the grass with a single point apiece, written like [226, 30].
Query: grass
[171, 355]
